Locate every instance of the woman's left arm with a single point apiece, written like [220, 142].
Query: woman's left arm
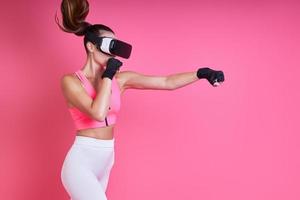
[135, 80]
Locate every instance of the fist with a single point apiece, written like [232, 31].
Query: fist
[214, 77]
[113, 64]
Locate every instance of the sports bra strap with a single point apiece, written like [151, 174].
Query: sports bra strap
[84, 81]
[79, 76]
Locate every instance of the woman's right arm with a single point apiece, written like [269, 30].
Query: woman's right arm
[77, 96]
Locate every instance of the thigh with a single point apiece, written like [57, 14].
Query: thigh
[78, 179]
[101, 161]
[103, 179]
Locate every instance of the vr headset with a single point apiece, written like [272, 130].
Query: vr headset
[110, 46]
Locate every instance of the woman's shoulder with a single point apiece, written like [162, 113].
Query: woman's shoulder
[69, 80]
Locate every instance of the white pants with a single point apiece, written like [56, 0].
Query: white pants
[86, 168]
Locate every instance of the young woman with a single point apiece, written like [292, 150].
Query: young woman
[93, 95]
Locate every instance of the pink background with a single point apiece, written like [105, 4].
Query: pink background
[239, 141]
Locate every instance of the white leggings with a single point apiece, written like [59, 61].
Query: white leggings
[86, 168]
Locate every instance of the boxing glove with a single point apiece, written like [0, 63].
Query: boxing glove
[214, 77]
[112, 66]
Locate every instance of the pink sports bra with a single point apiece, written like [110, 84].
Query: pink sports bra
[83, 121]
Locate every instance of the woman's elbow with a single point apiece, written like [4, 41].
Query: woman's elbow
[98, 116]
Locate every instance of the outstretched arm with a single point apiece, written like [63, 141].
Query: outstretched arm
[135, 80]
[179, 80]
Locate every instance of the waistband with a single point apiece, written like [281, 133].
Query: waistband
[89, 141]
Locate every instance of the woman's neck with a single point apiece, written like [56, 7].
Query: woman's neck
[92, 70]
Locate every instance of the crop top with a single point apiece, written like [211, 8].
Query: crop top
[83, 121]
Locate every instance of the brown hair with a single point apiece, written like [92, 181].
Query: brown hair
[74, 13]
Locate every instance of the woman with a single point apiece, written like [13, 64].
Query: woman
[93, 95]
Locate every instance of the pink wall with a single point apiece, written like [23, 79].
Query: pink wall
[239, 141]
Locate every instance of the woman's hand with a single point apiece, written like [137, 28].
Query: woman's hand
[113, 65]
[213, 77]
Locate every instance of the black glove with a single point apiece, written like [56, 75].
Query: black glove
[112, 67]
[211, 75]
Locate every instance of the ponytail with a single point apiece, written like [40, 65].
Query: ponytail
[74, 13]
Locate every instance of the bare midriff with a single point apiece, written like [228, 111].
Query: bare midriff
[103, 133]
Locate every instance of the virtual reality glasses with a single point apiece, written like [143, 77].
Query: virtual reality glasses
[110, 45]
